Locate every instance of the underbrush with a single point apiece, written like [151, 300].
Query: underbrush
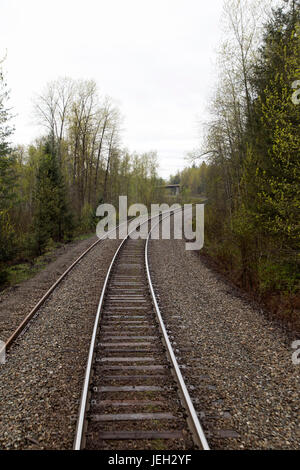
[25, 265]
[272, 280]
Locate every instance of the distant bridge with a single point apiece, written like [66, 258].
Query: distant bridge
[175, 188]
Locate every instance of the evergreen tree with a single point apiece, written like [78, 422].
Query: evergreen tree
[53, 220]
[271, 180]
[7, 182]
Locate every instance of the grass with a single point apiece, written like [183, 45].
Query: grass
[21, 272]
[84, 236]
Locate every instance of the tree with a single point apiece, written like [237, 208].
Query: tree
[7, 180]
[252, 179]
[52, 110]
[52, 219]
[271, 179]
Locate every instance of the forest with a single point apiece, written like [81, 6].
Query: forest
[50, 189]
[247, 167]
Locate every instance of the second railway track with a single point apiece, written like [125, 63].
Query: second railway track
[134, 396]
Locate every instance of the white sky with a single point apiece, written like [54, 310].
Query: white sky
[156, 58]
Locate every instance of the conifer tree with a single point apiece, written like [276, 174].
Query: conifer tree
[53, 219]
[272, 170]
[7, 181]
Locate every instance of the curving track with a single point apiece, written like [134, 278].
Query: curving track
[134, 396]
[34, 311]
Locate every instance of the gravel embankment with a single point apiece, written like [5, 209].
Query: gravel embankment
[41, 382]
[17, 301]
[238, 363]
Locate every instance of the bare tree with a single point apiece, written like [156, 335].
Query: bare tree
[52, 108]
[112, 142]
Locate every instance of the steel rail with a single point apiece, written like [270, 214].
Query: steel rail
[197, 430]
[37, 306]
[84, 396]
[87, 378]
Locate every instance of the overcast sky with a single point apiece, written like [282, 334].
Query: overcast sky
[156, 58]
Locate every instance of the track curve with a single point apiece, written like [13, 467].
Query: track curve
[134, 396]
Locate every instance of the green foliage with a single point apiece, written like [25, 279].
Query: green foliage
[276, 276]
[88, 220]
[52, 218]
[51, 189]
[252, 179]
[19, 272]
[276, 164]
[7, 183]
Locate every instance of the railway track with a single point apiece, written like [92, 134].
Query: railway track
[134, 396]
[22, 327]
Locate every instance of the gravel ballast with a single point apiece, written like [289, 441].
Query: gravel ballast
[236, 362]
[41, 382]
[17, 301]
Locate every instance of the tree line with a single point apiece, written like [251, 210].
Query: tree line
[247, 169]
[50, 189]
[250, 174]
